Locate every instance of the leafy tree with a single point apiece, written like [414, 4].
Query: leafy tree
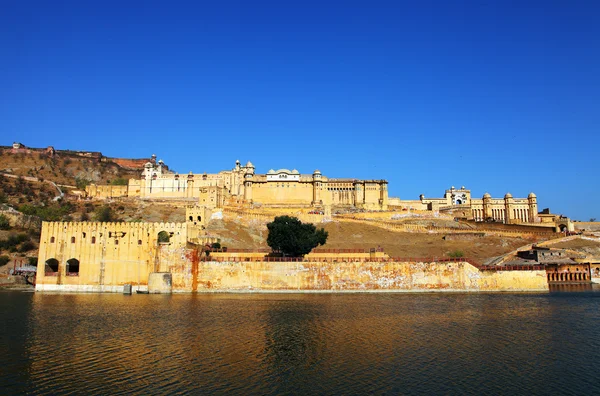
[593, 219]
[293, 238]
[4, 260]
[4, 222]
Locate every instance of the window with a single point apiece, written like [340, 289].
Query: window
[51, 268]
[72, 239]
[73, 267]
[139, 241]
[116, 241]
[93, 239]
[51, 239]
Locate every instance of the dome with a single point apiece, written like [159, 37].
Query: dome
[317, 172]
[161, 161]
[531, 195]
[508, 195]
[487, 195]
[249, 165]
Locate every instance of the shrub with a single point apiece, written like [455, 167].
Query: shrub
[120, 181]
[4, 222]
[104, 214]
[4, 260]
[456, 254]
[32, 261]
[26, 246]
[81, 183]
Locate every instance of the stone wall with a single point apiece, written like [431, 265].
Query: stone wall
[355, 276]
[90, 256]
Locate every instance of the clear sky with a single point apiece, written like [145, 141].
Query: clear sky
[498, 96]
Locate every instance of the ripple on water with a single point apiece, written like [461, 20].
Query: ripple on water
[300, 344]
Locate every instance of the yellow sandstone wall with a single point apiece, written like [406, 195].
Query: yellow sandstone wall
[292, 194]
[352, 276]
[109, 254]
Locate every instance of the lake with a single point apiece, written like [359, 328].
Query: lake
[271, 344]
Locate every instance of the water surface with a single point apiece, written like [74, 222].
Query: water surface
[300, 343]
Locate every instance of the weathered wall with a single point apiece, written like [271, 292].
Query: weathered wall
[234, 274]
[294, 193]
[351, 276]
[109, 254]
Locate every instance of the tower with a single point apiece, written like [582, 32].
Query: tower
[508, 208]
[317, 182]
[487, 206]
[533, 207]
[248, 176]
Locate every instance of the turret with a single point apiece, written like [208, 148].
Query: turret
[508, 208]
[248, 177]
[533, 207]
[383, 195]
[317, 177]
[487, 206]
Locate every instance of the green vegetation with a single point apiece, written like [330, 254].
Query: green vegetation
[163, 237]
[17, 243]
[104, 214]
[456, 254]
[4, 260]
[82, 183]
[120, 181]
[26, 246]
[52, 212]
[32, 261]
[291, 237]
[4, 222]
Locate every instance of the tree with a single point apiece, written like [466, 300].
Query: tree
[293, 238]
[593, 219]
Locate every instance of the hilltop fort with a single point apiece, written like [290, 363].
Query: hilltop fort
[206, 210]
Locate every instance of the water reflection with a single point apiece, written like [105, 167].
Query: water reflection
[300, 344]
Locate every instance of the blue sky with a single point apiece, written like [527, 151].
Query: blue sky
[497, 96]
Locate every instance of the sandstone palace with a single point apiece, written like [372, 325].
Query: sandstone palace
[289, 188]
[242, 184]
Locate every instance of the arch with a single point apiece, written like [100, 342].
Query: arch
[163, 237]
[51, 266]
[562, 227]
[72, 266]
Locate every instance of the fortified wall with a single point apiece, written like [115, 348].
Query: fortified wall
[104, 257]
[91, 256]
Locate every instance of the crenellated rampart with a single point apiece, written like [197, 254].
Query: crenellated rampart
[104, 255]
